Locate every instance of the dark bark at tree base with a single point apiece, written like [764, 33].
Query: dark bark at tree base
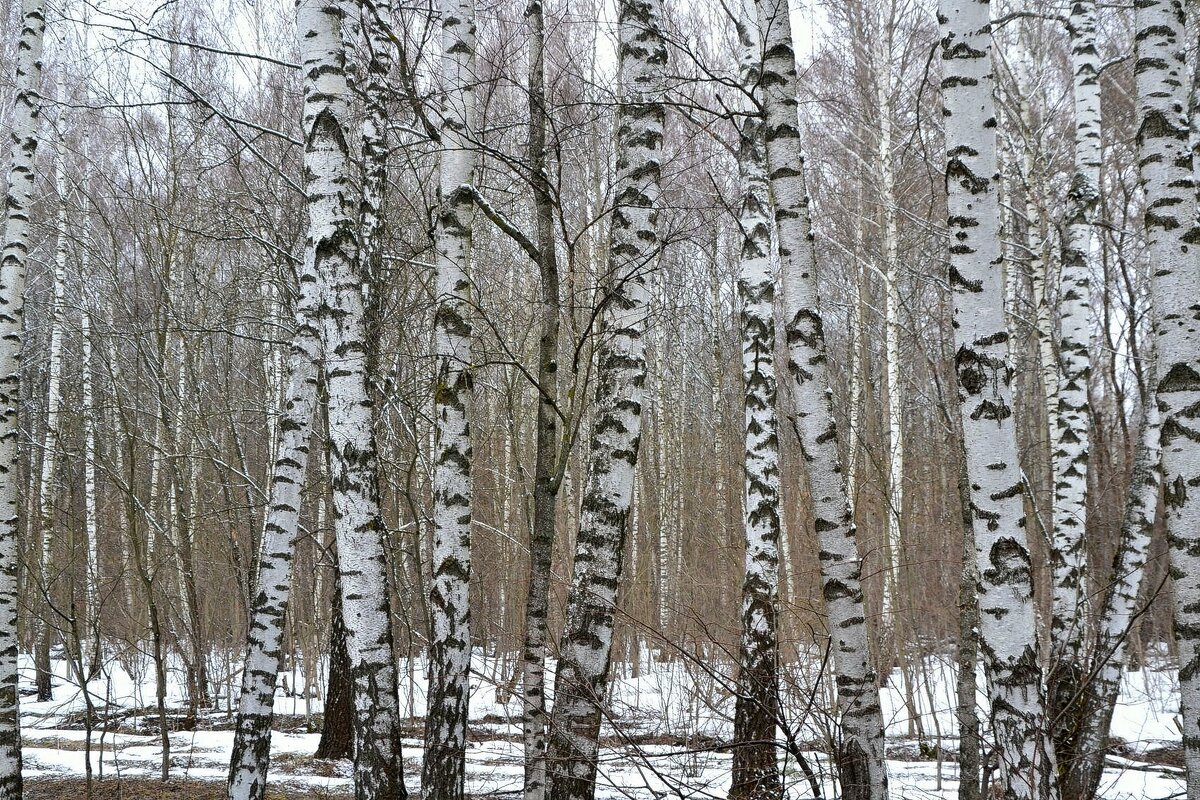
[755, 762]
[337, 728]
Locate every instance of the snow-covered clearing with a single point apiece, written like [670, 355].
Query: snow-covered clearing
[661, 737]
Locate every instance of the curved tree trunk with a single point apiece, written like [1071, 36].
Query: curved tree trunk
[1118, 612]
[861, 767]
[582, 675]
[1008, 631]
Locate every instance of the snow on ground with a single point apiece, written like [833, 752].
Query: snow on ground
[659, 739]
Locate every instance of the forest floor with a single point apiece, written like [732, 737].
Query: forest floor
[665, 737]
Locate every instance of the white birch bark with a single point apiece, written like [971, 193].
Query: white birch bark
[46, 491]
[1117, 613]
[252, 738]
[333, 247]
[755, 763]
[860, 760]
[1072, 416]
[325, 95]
[444, 769]
[23, 141]
[1008, 633]
[1170, 217]
[89, 470]
[887, 191]
[586, 647]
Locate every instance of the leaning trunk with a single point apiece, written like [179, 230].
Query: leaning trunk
[583, 666]
[860, 759]
[1118, 613]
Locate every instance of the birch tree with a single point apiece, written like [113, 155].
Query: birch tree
[1008, 631]
[862, 770]
[252, 737]
[46, 492]
[1164, 160]
[23, 144]
[353, 463]
[1071, 415]
[755, 762]
[1117, 613]
[444, 769]
[549, 466]
[586, 646]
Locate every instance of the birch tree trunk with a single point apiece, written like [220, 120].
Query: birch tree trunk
[969, 745]
[50, 443]
[1072, 416]
[252, 738]
[444, 769]
[547, 472]
[1008, 632]
[1170, 217]
[755, 762]
[861, 767]
[1118, 611]
[895, 507]
[22, 148]
[358, 524]
[586, 646]
[376, 15]
[92, 586]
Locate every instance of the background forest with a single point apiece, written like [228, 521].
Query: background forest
[352, 327]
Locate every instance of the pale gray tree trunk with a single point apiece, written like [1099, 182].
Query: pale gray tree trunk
[549, 465]
[756, 713]
[1166, 171]
[46, 491]
[891, 275]
[23, 143]
[1072, 416]
[444, 769]
[861, 766]
[1008, 632]
[586, 647]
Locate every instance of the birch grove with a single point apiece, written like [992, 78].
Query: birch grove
[572, 401]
